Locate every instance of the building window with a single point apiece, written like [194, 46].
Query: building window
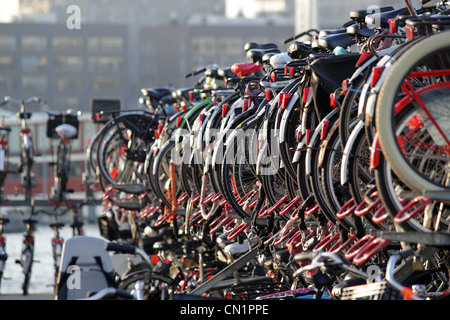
[105, 64]
[7, 43]
[69, 84]
[33, 64]
[7, 84]
[34, 44]
[68, 44]
[68, 64]
[6, 63]
[230, 46]
[106, 84]
[34, 84]
[64, 102]
[204, 45]
[109, 45]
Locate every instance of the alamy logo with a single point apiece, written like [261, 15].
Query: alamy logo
[74, 20]
[374, 11]
[74, 280]
[374, 274]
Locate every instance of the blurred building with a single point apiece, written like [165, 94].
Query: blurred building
[122, 46]
[203, 40]
[67, 68]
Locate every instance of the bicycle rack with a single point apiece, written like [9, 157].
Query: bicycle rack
[223, 274]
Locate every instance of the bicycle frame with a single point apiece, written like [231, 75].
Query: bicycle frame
[4, 135]
[3, 255]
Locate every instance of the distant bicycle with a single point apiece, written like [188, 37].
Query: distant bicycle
[27, 151]
[63, 128]
[3, 255]
[27, 256]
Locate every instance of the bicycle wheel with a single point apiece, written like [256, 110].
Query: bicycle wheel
[396, 194]
[330, 167]
[122, 150]
[161, 173]
[156, 288]
[349, 109]
[418, 152]
[27, 264]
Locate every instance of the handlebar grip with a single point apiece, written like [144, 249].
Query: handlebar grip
[119, 247]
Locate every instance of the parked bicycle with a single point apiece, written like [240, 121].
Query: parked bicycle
[28, 245]
[63, 128]
[3, 255]
[292, 156]
[27, 152]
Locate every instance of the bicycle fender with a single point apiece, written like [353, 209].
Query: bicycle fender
[345, 157]
[285, 117]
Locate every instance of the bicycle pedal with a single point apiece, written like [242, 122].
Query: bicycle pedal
[18, 261]
[36, 261]
[51, 163]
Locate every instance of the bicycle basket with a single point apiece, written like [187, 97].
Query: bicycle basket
[56, 119]
[372, 291]
[108, 228]
[102, 110]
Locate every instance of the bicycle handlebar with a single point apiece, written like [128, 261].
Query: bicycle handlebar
[25, 101]
[405, 291]
[308, 32]
[200, 70]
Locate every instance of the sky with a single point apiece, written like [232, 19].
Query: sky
[8, 8]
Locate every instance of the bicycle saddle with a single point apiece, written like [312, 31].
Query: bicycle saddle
[155, 93]
[383, 17]
[245, 68]
[358, 31]
[264, 46]
[336, 40]
[327, 32]
[361, 14]
[255, 55]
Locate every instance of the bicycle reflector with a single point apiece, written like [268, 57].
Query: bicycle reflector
[224, 110]
[324, 130]
[179, 119]
[376, 73]
[306, 94]
[344, 86]
[409, 31]
[284, 100]
[57, 240]
[333, 102]
[392, 26]
[268, 94]
[363, 58]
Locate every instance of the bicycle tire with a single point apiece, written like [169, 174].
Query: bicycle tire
[385, 111]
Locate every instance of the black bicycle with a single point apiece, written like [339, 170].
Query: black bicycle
[27, 256]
